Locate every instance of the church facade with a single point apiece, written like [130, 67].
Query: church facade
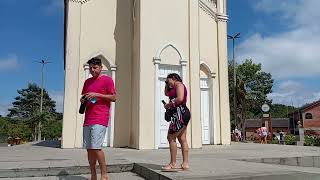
[140, 42]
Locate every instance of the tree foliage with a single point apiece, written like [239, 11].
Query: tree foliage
[253, 86]
[281, 111]
[27, 103]
[26, 108]
[14, 128]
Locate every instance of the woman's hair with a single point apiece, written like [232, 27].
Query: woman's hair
[263, 124]
[174, 76]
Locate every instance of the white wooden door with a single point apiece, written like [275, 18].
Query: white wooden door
[106, 141]
[164, 70]
[205, 110]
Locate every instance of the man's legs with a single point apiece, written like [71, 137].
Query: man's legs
[92, 162]
[93, 137]
[102, 162]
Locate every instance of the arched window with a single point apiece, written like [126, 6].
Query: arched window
[308, 116]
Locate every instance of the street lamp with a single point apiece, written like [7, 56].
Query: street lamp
[234, 77]
[42, 62]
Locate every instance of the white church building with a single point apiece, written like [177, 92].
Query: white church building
[140, 42]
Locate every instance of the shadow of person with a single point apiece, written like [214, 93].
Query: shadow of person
[71, 177]
[64, 175]
[49, 143]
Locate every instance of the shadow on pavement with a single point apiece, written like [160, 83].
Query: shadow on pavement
[64, 175]
[49, 143]
[151, 166]
[72, 178]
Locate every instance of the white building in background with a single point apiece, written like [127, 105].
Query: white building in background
[140, 42]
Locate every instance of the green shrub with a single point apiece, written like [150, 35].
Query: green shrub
[316, 141]
[274, 141]
[290, 139]
[309, 140]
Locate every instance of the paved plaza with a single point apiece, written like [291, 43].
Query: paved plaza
[236, 161]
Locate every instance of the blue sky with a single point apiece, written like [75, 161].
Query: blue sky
[30, 31]
[281, 35]
[284, 37]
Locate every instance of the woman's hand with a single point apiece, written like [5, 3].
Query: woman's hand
[168, 106]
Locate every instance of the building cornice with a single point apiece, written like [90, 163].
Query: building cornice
[222, 17]
[211, 10]
[204, 5]
[79, 1]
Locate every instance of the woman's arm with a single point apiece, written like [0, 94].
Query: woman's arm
[180, 94]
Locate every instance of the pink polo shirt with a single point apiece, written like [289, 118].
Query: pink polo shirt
[99, 112]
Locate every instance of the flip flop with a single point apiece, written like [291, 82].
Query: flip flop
[170, 168]
[184, 168]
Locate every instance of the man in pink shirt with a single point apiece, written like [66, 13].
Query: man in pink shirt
[98, 92]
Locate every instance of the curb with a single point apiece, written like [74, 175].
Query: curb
[60, 171]
[146, 171]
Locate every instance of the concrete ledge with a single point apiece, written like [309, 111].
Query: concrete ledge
[149, 171]
[285, 176]
[60, 171]
[307, 161]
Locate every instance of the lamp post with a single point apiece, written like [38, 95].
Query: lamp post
[236, 36]
[42, 62]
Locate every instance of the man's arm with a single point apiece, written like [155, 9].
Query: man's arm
[108, 97]
[110, 94]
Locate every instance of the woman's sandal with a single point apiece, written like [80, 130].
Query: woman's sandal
[184, 168]
[170, 168]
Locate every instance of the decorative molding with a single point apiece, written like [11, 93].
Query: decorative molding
[183, 62]
[211, 71]
[79, 1]
[113, 68]
[208, 6]
[159, 52]
[222, 17]
[213, 75]
[156, 60]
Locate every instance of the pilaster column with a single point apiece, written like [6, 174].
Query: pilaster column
[112, 109]
[157, 92]
[72, 65]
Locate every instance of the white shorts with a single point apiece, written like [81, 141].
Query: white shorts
[93, 136]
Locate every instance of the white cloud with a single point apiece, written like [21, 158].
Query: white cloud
[291, 54]
[317, 95]
[9, 63]
[58, 97]
[293, 93]
[53, 6]
[294, 12]
[294, 53]
[4, 106]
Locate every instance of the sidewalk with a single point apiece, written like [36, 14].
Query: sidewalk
[237, 161]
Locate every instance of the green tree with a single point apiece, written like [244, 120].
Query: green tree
[3, 129]
[13, 128]
[281, 111]
[52, 129]
[26, 107]
[252, 88]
